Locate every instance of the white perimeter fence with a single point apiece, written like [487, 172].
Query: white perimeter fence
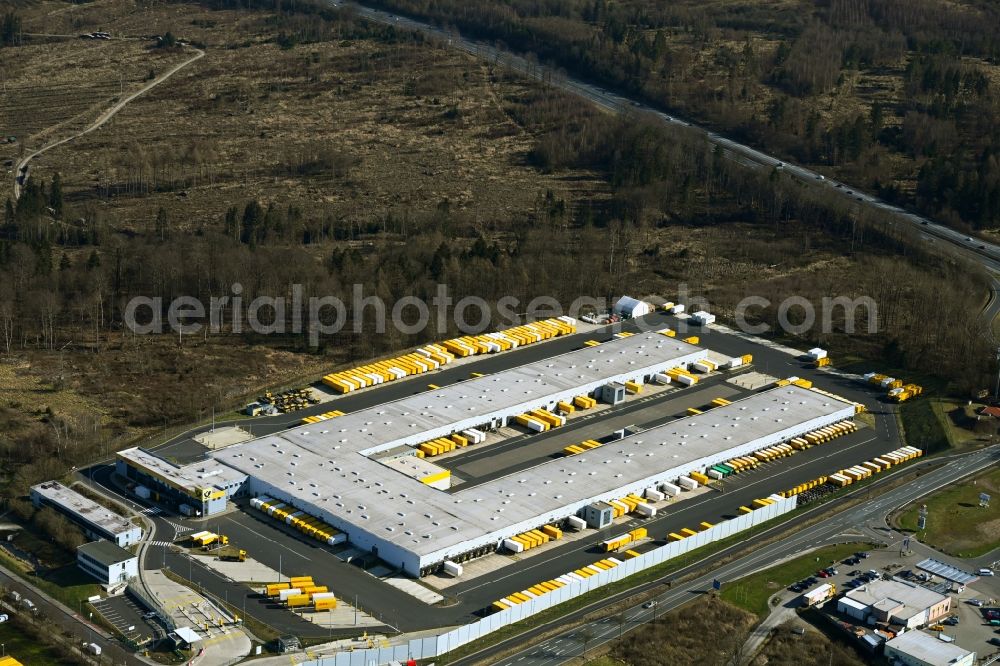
[435, 646]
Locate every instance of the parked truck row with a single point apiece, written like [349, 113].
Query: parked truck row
[326, 416]
[548, 586]
[619, 542]
[205, 538]
[309, 525]
[532, 538]
[846, 477]
[897, 389]
[433, 356]
[686, 532]
[301, 592]
[457, 440]
[760, 503]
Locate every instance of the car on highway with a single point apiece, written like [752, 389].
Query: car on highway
[649, 604]
[968, 238]
[4, 617]
[779, 165]
[820, 176]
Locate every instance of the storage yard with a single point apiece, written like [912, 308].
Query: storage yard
[484, 478]
[418, 527]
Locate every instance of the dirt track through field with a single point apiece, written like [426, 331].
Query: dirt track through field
[103, 118]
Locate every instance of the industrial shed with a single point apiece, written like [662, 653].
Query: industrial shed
[628, 308]
[916, 648]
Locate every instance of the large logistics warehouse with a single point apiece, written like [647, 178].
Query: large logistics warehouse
[325, 470]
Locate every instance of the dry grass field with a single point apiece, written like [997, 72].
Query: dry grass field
[355, 129]
[367, 130]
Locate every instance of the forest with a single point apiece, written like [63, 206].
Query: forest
[673, 211]
[897, 96]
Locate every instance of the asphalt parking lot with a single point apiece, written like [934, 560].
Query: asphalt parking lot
[127, 617]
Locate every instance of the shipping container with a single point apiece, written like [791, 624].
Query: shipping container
[513, 546]
[687, 483]
[699, 477]
[670, 489]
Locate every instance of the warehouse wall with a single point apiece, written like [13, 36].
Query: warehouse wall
[435, 646]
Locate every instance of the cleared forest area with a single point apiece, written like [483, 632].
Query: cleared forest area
[899, 96]
[309, 147]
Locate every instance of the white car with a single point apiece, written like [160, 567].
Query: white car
[986, 572]
[4, 618]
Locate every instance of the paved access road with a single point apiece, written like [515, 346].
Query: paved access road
[69, 620]
[840, 527]
[952, 242]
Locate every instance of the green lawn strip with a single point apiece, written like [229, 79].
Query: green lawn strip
[955, 519]
[752, 592]
[26, 649]
[67, 584]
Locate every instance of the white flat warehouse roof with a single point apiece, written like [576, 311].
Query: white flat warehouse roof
[326, 471]
[191, 477]
[442, 411]
[85, 508]
[928, 649]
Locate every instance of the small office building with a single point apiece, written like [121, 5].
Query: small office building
[896, 602]
[107, 562]
[99, 522]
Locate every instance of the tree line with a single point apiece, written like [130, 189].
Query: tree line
[651, 50]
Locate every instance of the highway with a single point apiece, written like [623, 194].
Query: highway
[841, 527]
[983, 252]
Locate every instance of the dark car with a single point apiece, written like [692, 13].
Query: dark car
[862, 555]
